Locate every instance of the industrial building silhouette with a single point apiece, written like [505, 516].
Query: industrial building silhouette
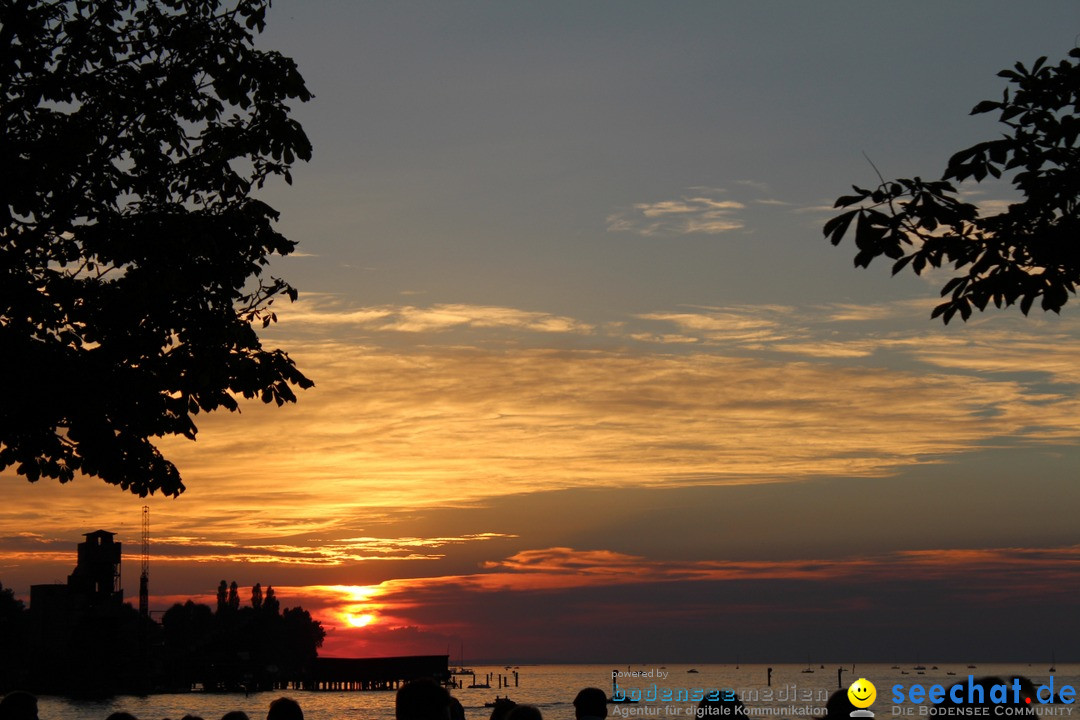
[92, 591]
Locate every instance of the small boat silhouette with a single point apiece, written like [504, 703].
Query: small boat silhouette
[618, 696]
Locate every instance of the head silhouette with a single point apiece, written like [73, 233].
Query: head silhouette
[502, 708]
[422, 700]
[590, 702]
[524, 712]
[18, 705]
[839, 706]
[285, 709]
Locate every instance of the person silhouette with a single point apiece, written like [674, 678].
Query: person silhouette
[457, 710]
[524, 712]
[839, 706]
[284, 708]
[502, 707]
[422, 699]
[590, 704]
[18, 705]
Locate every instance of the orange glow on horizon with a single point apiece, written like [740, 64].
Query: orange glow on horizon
[366, 620]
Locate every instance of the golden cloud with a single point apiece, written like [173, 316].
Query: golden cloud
[434, 426]
[387, 429]
[326, 310]
[698, 214]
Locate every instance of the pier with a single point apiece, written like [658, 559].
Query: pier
[387, 673]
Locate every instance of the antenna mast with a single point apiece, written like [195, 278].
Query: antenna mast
[144, 578]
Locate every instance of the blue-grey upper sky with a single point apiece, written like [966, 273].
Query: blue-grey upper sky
[503, 153]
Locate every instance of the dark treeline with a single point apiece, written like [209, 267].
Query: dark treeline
[102, 651]
[256, 645]
[14, 640]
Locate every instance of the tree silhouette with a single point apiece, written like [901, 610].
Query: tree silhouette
[270, 602]
[14, 641]
[190, 643]
[222, 597]
[1030, 251]
[238, 647]
[234, 597]
[132, 250]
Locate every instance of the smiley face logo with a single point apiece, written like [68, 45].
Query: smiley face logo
[862, 693]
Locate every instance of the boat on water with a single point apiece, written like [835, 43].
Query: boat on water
[618, 696]
[460, 669]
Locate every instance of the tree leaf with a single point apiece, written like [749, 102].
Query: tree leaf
[837, 226]
[1024, 252]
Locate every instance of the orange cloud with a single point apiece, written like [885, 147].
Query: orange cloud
[761, 395]
[413, 429]
[326, 310]
[314, 552]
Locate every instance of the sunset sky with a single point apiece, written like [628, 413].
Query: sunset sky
[591, 384]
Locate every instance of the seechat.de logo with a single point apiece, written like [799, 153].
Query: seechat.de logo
[862, 695]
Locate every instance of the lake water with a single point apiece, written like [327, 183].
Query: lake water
[794, 694]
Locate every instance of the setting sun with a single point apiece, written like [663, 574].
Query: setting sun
[359, 620]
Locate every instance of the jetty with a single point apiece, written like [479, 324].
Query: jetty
[385, 673]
